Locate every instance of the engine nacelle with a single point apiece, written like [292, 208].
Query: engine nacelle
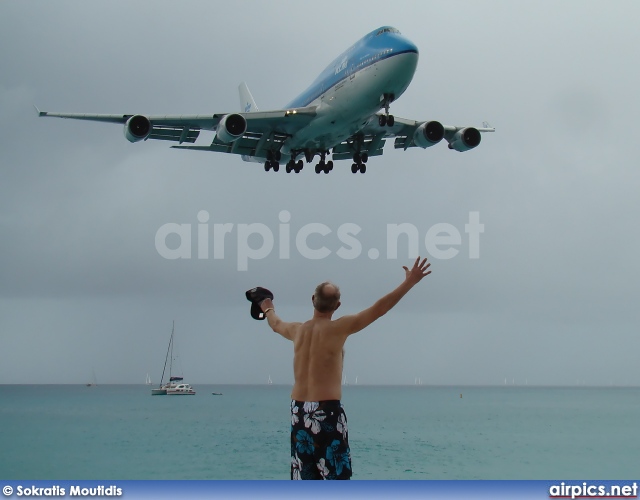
[465, 139]
[428, 134]
[231, 128]
[137, 128]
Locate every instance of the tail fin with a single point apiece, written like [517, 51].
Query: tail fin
[247, 104]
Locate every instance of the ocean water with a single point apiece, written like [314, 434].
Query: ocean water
[395, 432]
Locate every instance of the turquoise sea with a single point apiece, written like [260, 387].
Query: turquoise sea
[395, 432]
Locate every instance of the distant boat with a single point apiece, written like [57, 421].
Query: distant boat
[94, 380]
[148, 380]
[175, 386]
[269, 382]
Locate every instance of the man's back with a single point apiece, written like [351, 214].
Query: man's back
[317, 360]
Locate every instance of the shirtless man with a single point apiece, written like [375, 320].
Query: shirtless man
[319, 440]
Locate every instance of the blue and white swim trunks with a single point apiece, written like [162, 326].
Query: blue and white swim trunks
[319, 441]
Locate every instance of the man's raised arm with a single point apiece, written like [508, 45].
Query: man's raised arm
[357, 322]
[276, 324]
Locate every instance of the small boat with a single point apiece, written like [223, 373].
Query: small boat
[148, 380]
[217, 393]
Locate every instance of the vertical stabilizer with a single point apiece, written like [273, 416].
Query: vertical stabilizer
[247, 104]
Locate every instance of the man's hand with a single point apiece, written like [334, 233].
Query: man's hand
[266, 304]
[416, 273]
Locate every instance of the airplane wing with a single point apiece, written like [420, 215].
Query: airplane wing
[250, 134]
[408, 134]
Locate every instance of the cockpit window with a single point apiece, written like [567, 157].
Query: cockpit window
[388, 30]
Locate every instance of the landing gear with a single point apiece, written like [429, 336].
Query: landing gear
[273, 161]
[324, 166]
[359, 160]
[386, 119]
[268, 165]
[293, 166]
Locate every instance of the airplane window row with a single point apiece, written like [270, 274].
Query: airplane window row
[377, 56]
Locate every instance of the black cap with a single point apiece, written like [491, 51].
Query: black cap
[256, 296]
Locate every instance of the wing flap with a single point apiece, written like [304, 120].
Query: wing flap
[250, 144]
[371, 144]
[349, 155]
[220, 148]
[177, 134]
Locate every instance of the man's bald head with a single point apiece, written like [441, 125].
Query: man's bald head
[326, 297]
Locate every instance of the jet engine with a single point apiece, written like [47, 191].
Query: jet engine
[231, 128]
[428, 134]
[137, 128]
[465, 139]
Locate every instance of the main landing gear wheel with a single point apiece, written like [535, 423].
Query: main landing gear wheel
[273, 161]
[324, 167]
[271, 164]
[359, 160]
[292, 166]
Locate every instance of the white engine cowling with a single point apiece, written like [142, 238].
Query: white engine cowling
[428, 134]
[231, 128]
[465, 139]
[137, 128]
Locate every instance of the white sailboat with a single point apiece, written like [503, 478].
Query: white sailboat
[148, 380]
[269, 382]
[175, 386]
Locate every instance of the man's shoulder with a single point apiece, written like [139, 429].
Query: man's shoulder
[321, 324]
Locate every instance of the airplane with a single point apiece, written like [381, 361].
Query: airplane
[343, 114]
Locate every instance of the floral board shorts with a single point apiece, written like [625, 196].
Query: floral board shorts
[319, 441]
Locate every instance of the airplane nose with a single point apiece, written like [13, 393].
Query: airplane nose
[405, 45]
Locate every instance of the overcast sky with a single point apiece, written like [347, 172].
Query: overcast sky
[552, 298]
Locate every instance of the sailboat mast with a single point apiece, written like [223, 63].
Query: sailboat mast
[171, 343]
[169, 348]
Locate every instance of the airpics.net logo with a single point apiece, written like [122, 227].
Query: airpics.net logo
[257, 241]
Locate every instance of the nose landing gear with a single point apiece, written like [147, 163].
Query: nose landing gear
[386, 119]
